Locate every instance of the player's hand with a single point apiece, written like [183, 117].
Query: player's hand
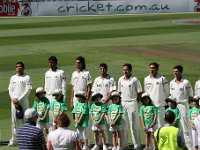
[15, 101]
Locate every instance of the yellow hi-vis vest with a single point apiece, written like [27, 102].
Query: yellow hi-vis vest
[167, 138]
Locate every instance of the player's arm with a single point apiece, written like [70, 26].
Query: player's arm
[64, 84]
[27, 90]
[89, 87]
[72, 96]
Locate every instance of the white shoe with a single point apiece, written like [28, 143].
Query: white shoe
[114, 148]
[105, 147]
[96, 147]
[119, 148]
[11, 144]
[85, 148]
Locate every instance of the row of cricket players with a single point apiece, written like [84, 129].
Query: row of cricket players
[129, 89]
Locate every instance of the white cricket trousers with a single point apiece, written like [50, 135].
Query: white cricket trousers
[16, 123]
[130, 115]
[183, 108]
[160, 117]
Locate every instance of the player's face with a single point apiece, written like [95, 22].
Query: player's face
[19, 69]
[103, 71]
[153, 70]
[52, 64]
[79, 65]
[177, 73]
[126, 71]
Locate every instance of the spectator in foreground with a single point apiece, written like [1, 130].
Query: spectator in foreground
[63, 138]
[169, 137]
[29, 136]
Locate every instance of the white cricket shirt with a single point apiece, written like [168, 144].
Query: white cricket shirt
[157, 88]
[55, 80]
[182, 91]
[197, 88]
[129, 88]
[20, 86]
[80, 80]
[104, 86]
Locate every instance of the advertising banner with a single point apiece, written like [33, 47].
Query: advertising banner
[63, 8]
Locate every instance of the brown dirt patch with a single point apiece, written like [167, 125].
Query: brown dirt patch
[187, 21]
[164, 52]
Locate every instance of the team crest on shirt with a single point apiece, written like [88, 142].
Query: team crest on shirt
[181, 89]
[106, 85]
[129, 85]
[157, 83]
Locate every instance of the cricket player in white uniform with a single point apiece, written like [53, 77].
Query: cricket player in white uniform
[105, 84]
[157, 87]
[130, 89]
[181, 91]
[54, 79]
[197, 88]
[19, 90]
[81, 81]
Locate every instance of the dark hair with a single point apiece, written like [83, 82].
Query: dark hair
[119, 100]
[155, 64]
[150, 101]
[63, 120]
[20, 63]
[53, 58]
[128, 65]
[169, 116]
[179, 67]
[82, 60]
[103, 65]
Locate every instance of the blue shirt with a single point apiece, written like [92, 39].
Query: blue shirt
[30, 137]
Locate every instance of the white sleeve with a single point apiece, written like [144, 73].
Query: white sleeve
[71, 82]
[46, 84]
[195, 88]
[94, 86]
[89, 78]
[166, 87]
[145, 88]
[64, 84]
[112, 85]
[119, 86]
[27, 90]
[10, 88]
[189, 89]
[139, 87]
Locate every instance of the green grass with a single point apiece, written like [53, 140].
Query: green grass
[137, 39]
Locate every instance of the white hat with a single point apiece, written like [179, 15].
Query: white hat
[81, 94]
[94, 95]
[57, 92]
[145, 95]
[30, 113]
[40, 90]
[115, 94]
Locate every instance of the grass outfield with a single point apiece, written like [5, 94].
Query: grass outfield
[138, 39]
